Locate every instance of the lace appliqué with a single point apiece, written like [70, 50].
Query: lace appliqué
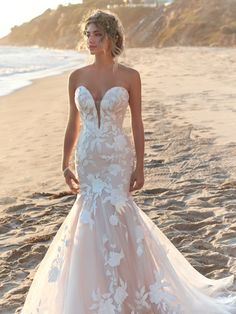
[57, 262]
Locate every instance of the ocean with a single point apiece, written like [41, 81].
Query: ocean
[19, 65]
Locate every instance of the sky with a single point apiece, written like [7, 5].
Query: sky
[16, 12]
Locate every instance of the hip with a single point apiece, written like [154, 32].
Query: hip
[113, 146]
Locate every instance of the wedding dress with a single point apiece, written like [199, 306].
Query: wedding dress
[108, 256]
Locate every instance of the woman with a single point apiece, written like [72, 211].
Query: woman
[108, 257]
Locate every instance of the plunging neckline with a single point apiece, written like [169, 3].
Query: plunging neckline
[98, 108]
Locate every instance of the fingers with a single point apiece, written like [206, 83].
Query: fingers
[132, 180]
[138, 185]
[70, 180]
[135, 184]
[75, 179]
[73, 188]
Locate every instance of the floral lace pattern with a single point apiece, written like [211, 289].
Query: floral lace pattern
[105, 163]
[108, 257]
[58, 260]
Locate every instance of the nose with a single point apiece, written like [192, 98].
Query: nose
[91, 40]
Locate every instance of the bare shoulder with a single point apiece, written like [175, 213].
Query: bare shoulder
[76, 74]
[129, 70]
[132, 75]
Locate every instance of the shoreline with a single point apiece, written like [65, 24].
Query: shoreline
[20, 73]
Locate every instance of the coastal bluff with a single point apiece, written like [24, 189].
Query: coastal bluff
[181, 23]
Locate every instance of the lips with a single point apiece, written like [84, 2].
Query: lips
[92, 47]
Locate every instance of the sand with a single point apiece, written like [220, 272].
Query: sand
[189, 115]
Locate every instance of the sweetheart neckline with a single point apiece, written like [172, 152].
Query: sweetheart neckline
[94, 102]
[109, 89]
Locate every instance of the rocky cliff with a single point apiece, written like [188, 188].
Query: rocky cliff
[184, 22]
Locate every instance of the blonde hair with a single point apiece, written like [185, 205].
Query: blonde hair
[110, 24]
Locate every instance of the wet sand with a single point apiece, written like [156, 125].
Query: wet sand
[190, 164]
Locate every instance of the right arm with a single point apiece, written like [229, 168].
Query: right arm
[73, 124]
[72, 129]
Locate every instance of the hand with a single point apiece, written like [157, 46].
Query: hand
[70, 178]
[136, 180]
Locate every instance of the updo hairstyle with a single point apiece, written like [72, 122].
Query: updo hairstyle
[108, 23]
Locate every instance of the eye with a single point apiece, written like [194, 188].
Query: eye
[96, 34]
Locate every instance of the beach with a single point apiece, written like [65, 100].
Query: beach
[189, 115]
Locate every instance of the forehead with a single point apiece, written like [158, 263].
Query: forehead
[92, 27]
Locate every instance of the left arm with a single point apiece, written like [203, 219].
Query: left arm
[137, 177]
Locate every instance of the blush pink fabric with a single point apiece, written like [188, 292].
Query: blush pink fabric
[108, 256]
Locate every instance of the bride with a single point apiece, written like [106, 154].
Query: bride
[108, 256]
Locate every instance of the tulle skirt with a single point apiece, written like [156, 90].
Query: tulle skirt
[107, 262]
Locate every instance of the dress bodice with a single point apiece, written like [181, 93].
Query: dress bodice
[110, 112]
[104, 151]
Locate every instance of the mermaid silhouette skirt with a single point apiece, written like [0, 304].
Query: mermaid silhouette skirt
[108, 256]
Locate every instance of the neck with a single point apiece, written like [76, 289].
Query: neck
[103, 61]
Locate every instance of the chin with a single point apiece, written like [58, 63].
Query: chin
[92, 51]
